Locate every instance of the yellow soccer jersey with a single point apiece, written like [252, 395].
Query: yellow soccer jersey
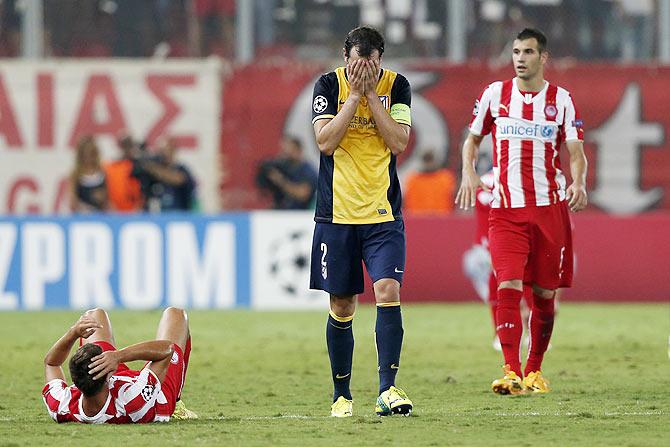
[359, 184]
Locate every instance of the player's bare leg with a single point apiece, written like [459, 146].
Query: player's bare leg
[343, 306]
[104, 332]
[173, 326]
[388, 337]
[541, 327]
[340, 341]
[510, 331]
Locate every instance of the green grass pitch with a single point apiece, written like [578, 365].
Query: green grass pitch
[262, 378]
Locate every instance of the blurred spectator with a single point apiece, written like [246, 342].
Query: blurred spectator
[289, 178]
[88, 188]
[595, 29]
[637, 35]
[431, 189]
[122, 186]
[171, 186]
[216, 25]
[175, 25]
[10, 29]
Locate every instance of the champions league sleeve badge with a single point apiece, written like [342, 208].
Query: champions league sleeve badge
[320, 103]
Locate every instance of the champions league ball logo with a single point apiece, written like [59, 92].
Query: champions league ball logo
[289, 261]
[147, 392]
[320, 104]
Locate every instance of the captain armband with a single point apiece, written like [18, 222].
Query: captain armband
[401, 113]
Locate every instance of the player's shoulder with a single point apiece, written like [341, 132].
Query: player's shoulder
[494, 88]
[55, 386]
[387, 72]
[498, 84]
[124, 376]
[327, 85]
[562, 93]
[400, 80]
[329, 78]
[58, 395]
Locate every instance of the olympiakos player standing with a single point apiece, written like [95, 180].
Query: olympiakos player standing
[477, 263]
[530, 235]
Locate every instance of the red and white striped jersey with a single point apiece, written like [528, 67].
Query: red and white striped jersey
[134, 397]
[527, 130]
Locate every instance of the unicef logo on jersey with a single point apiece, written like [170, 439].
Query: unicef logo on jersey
[547, 131]
[515, 128]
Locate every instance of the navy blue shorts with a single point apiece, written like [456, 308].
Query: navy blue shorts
[339, 250]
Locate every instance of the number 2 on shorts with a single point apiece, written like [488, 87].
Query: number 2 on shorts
[324, 264]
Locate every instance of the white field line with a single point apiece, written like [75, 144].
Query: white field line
[582, 413]
[477, 414]
[268, 418]
[446, 416]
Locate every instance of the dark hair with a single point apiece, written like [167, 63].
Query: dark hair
[532, 33]
[366, 38]
[79, 363]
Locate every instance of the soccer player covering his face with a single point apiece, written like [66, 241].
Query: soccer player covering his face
[361, 118]
[530, 235]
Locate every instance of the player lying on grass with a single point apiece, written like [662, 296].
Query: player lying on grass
[105, 390]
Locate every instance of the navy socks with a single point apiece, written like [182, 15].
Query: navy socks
[340, 340]
[388, 336]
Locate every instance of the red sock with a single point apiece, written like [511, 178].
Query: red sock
[493, 299]
[509, 326]
[541, 326]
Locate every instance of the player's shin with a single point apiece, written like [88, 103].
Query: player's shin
[509, 327]
[541, 327]
[388, 337]
[493, 300]
[340, 340]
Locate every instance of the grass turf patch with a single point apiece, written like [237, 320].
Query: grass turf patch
[260, 378]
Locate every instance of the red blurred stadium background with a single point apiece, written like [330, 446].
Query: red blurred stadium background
[261, 90]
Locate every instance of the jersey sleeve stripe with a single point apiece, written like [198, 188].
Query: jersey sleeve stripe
[139, 405]
[482, 119]
[322, 117]
[57, 397]
[573, 126]
[505, 98]
[550, 170]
